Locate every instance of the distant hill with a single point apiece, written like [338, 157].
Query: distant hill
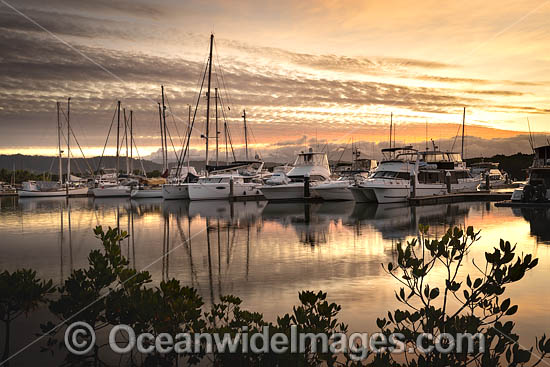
[41, 164]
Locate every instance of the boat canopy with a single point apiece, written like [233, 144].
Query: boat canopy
[312, 159]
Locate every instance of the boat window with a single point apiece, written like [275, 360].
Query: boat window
[427, 177]
[436, 157]
[404, 176]
[407, 157]
[311, 159]
[385, 174]
[455, 157]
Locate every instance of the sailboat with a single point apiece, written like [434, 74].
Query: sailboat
[148, 188]
[52, 189]
[115, 187]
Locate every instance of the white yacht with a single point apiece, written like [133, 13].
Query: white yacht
[339, 189]
[114, 188]
[437, 169]
[390, 182]
[50, 189]
[177, 185]
[148, 188]
[219, 187]
[432, 170]
[538, 183]
[120, 190]
[490, 169]
[237, 180]
[312, 164]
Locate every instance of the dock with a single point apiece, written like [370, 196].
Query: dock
[460, 197]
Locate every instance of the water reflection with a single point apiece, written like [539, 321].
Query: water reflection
[265, 253]
[539, 221]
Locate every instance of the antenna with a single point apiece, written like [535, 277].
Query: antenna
[426, 134]
[531, 139]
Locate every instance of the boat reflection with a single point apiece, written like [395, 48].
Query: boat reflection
[539, 222]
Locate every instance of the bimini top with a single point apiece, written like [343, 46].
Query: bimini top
[431, 156]
[311, 159]
[396, 149]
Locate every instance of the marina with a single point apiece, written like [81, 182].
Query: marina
[249, 184]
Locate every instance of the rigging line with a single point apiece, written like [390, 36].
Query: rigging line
[224, 116]
[255, 141]
[106, 141]
[139, 157]
[456, 136]
[51, 165]
[184, 155]
[172, 142]
[226, 124]
[173, 120]
[77, 143]
[222, 73]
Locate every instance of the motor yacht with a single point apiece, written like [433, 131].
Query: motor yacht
[390, 182]
[235, 181]
[308, 164]
[538, 183]
[339, 189]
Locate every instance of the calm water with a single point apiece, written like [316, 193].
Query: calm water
[266, 253]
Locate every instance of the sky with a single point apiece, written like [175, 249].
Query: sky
[316, 74]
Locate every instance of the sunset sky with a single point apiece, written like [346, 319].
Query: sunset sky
[307, 72]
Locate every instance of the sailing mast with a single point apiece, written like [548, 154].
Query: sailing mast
[118, 139]
[68, 144]
[226, 151]
[161, 138]
[59, 146]
[208, 97]
[217, 132]
[165, 149]
[391, 127]
[245, 135]
[463, 123]
[189, 134]
[131, 141]
[126, 139]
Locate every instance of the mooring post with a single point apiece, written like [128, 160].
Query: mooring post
[306, 186]
[231, 188]
[413, 185]
[448, 181]
[487, 181]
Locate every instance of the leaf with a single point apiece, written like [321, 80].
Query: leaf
[512, 310]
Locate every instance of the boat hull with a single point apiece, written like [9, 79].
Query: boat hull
[341, 193]
[286, 192]
[81, 191]
[217, 191]
[116, 191]
[175, 192]
[385, 195]
[146, 193]
[362, 194]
